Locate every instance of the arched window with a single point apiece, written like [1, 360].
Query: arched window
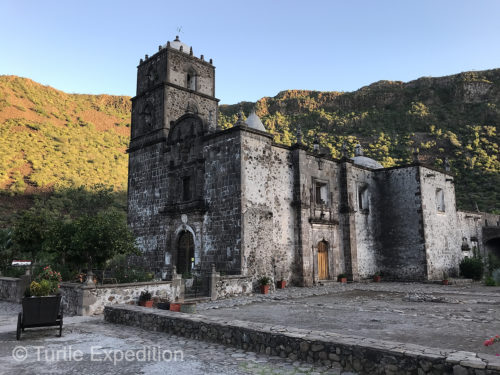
[440, 200]
[363, 197]
[191, 80]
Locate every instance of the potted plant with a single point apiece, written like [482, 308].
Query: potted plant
[175, 306]
[264, 283]
[163, 304]
[342, 278]
[42, 303]
[377, 277]
[281, 284]
[445, 278]
[145, 299]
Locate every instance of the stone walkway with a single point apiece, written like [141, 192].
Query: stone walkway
[446, 317]
[92, 335]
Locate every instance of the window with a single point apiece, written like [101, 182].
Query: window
[363, 198]
[191, 80]
[321, 193]
[186, 188]
[440, 200]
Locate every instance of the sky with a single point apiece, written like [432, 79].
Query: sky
[259, 48]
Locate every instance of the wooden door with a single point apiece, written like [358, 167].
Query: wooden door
[323, 260]
[185, 252]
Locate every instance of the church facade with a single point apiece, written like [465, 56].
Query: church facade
[200, 196]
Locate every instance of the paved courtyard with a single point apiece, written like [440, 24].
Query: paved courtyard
[101, 343]
[446, 317]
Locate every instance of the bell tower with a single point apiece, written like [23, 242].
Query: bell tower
[171, 84]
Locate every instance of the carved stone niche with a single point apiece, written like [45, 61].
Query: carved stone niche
[186, 128]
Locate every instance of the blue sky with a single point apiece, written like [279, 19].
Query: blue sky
[258, 47]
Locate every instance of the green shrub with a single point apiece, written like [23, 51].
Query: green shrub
[43, 288]
[35, 289]
[490, 281]
[145, 296]
[264, 280]
[471, 268]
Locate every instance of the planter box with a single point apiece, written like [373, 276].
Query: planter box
[163, 305]
[377, 279]
[445, 282]
[342, 279]
[146, 303]
[40, 312]
[264, 289]
[281, 284]
[189, 308]
[175, 307]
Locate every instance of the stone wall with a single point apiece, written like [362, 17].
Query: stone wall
[12, 289]
[231, 286]
[80, 299]
[400, 241]
[442, 235]
[257, 215]
[470, 231]
[147, 195]
[222, 222]
[363, 355]
[283, 226]
[366, 219]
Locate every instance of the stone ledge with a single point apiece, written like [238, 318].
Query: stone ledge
[123, 285]
[363, 355]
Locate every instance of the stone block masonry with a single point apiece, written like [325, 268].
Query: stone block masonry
[363, 355]
[12, 289]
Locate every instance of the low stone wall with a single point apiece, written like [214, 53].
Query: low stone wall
[230, 286]
[81, 299]
[12, 289]
[363, 355]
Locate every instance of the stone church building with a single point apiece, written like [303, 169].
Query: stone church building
[200, 196]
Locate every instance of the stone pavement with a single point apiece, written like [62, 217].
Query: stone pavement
[446, 317]
[106, 342]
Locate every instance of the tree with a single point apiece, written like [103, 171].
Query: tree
[5, 247]
[98, 238]
[31, 231]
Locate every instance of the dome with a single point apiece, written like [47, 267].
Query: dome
[253, 121]
[366, 162]
[363, 161]
[177, 44]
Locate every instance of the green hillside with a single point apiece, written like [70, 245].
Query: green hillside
[51, 140]
[455, 116]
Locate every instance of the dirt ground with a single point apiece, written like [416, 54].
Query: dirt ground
[446, 317]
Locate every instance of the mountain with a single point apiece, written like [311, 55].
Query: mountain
[455, 116]
[51, 140]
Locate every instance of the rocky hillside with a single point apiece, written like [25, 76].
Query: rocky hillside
[52, 140]
[455, 116]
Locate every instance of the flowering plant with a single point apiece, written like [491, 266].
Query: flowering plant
[49, 279]
[50, 275]
[491, 341]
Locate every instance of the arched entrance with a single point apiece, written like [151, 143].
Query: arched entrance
[323, 260]
[185, 252]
